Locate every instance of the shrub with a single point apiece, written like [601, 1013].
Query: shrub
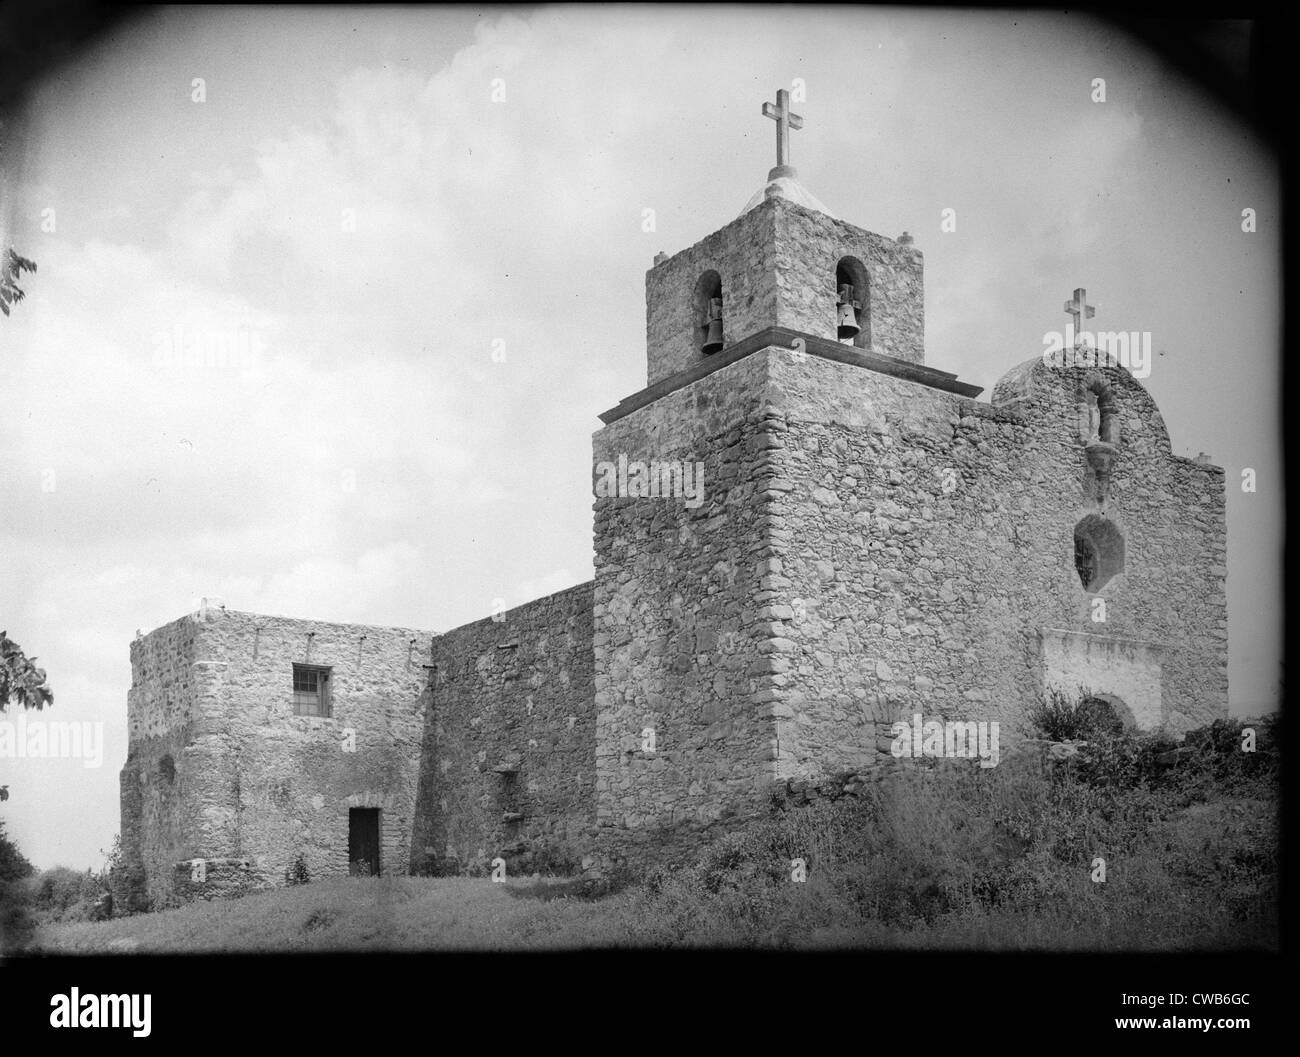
[58, 889]
[17, 925]
[13, 864]
[988, 857]
[16, 921]
[296, 873]
[551, 857]
[1073, 717]
[1215, 759]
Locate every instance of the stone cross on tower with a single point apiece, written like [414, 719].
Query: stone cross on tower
[1080, 310]
[785, 121]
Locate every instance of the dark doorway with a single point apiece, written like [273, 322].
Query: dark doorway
[363, 841]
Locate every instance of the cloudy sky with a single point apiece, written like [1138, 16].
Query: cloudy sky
[354, 221]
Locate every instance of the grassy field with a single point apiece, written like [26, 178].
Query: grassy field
[358, 914]
[1137, 910]
[946, 858]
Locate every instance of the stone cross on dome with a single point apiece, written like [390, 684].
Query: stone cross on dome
[785, 120]
[1080, 310]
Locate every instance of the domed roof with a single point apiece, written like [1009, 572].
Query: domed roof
[783, 182]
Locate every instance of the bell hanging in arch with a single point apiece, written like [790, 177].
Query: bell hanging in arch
[713, 325]
[846, 322]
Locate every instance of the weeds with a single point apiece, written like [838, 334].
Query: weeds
[961, 857]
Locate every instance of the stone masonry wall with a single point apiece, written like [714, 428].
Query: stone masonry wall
[248, 778]
[923, 541]
[682, 619]
[509, 755]
[744, 255]
[165, 721]
[810, 244]
[289, 781]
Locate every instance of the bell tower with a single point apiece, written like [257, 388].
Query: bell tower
[780, 319]
[785, 262]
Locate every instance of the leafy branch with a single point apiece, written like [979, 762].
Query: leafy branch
[20, 681]
[13, 267]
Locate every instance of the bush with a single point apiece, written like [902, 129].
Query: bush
[13, 864]
[16, 922]
[59, 889]
[1215, 758]
[296, 873]
[553, 858]
[993, 857]
[617, 878]
[1073, 717]
[1209, 761]
[17, 925]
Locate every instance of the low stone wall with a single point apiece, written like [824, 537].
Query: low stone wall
[215, 879]
[509, 754]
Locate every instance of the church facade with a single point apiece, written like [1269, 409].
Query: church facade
[803, 535]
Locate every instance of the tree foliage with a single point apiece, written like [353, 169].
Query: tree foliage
[11, 271]
[20, 681]
[13, 864]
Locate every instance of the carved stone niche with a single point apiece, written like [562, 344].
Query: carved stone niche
[1099, 431]
[1098, 418]
[1101, 460]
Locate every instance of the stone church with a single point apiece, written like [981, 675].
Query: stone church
[862, 540]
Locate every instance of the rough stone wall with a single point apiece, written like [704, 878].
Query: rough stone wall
[809, 244]
[744, 255]
[291, 780]
[217, 879]
[251, 779]
[683, 622]
[1172, 511]
[925, 540]
[509, 757]
[777, 266]
[170, 717]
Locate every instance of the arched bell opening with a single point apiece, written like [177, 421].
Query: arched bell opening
[852, 303]
[706, 312]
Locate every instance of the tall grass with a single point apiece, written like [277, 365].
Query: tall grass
[936, 856]
[953, 856]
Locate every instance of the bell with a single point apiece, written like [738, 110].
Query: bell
[713, 335]
[846, 323]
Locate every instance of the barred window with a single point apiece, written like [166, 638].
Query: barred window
[1098, 552]
[311, 690]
